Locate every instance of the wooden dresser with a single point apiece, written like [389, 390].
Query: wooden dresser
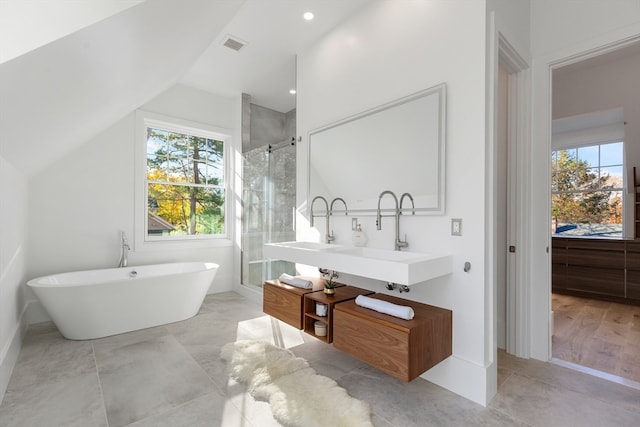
[605, 269]
[401, 348]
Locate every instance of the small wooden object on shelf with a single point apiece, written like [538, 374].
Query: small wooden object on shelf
[342, 293]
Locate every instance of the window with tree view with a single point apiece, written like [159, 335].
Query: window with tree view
[184, 184]
[587, 191]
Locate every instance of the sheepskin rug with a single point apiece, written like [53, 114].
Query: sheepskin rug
[297, 395]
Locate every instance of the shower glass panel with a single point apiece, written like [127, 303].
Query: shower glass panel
[269, 196]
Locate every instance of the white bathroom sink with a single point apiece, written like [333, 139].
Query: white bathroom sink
[316, 246]
[381, 254]
[406, 268]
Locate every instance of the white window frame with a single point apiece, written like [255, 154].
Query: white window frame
[142, 240]
[596, 128]
[620, 189]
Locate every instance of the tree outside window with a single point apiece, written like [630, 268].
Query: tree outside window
[185, 184]
[587, 190]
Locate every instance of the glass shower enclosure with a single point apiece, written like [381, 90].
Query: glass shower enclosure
[269, 200]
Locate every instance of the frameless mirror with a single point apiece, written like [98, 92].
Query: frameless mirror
[398, 146]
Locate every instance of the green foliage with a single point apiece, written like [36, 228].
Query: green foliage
[185, 181]
[580, 195]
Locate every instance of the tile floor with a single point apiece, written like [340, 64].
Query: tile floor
[172, 375]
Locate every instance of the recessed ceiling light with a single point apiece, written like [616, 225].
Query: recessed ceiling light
[308, 16]
[292, 91]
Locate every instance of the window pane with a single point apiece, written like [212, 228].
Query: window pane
[611, 176]
[565, 155]
[586, 185]
[183, 210]
[215, 173]
[587, 178]
[611, 154]
[156, 167]
[215, 149]
[589, 155]
[597, 213]
[175, 157]
[156, 141]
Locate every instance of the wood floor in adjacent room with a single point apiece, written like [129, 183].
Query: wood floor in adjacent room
[600, 335]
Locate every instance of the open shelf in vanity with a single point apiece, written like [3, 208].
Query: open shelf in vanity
[343, 293]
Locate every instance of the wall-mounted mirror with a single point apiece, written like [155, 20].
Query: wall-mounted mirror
[398, 146]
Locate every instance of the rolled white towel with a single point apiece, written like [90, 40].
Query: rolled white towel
[401, 311]
[295, 281]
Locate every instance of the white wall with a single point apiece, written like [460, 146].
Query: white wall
[389, 50]
[13, 213]
[560, 31]
[78, 206]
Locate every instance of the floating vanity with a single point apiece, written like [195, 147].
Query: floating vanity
[402, 267]
[401, 348]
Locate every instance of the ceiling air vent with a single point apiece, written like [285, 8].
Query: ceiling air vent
[233, 43]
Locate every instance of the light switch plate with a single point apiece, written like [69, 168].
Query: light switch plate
[456, 226]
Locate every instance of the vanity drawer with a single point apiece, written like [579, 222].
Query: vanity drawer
[402, 348]
[385, 348]
[285, 302]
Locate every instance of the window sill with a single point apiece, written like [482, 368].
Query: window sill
[163, 245]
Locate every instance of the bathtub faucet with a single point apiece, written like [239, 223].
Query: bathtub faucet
[124, 260]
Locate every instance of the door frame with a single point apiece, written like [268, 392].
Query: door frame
[518, 174]
[503, 52]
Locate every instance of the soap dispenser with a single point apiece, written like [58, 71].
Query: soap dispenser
[358, 238]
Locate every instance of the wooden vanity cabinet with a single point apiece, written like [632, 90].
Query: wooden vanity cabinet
[285, 302]
[401, 348]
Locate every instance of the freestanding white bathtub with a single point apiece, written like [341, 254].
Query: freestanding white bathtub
[98, 303]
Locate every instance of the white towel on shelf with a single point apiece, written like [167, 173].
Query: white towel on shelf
[295, 281]
[401, 311]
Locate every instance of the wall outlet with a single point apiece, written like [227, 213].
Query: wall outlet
[456, 226]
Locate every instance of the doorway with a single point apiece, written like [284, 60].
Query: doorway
[591, 329]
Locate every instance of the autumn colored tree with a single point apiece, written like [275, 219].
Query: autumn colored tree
[185, 181]
[581, 194]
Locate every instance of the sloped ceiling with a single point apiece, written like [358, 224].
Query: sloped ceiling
[27, 24]
[275, 32]
[59, 95]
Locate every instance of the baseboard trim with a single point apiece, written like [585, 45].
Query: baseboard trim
[596, 373]
[11, 350]
[462, 377]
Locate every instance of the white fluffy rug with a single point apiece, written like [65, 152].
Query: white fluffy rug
[297, 395]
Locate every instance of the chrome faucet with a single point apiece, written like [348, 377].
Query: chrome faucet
[413, 207]
[346, 212]
[124, 260]
[398, 243]
[329, 237]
